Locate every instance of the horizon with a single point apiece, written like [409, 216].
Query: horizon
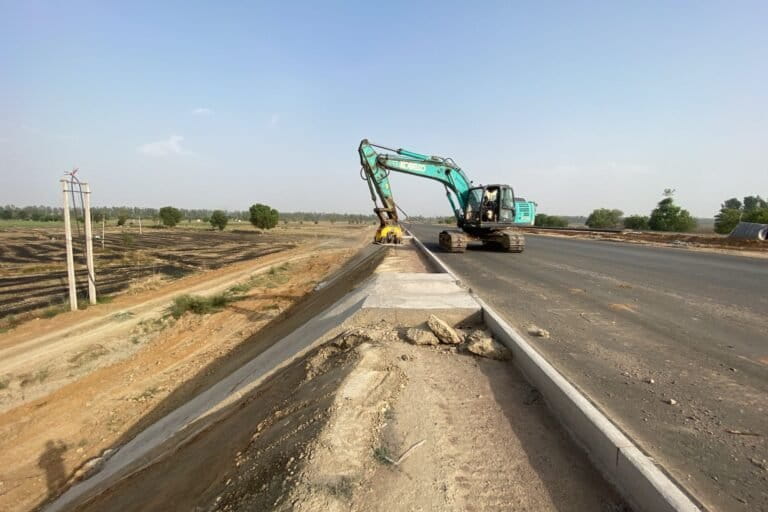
[214, 108]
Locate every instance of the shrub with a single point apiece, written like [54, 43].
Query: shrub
[549, 221]
[169, 216]
[727, 219]
[219, 220]
[121, 220]
[759, 215]
[263, 216]
[604, 218]
[198, 305]
[639, 222]
[667, 216]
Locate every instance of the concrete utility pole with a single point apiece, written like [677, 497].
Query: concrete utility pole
[140, 225]
[103, 223]
[70, 257]
[89, 244]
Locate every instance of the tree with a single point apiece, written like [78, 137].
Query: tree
[604, 218]
[263, 216]
[727, 219]
[549, 221]
[759, 215]
[639, 222]
[122, 219]
[732, 204]
[219, 220]
[667, 216]
[752, 203]
[169, 216]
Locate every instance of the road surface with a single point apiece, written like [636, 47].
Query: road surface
[636, 327]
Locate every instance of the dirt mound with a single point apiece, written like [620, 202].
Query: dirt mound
[411, 428]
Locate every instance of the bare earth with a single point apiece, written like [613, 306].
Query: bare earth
[369, 422]
[83, 382]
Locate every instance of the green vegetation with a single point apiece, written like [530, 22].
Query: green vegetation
[170, 216]
[122, 219]
[263, 216]
[604, 218]
[639, 222]
[219, 220]
[274, 277]
[667, 216]
[549, 221]
[754, 209]
[199, 305]
[52, 311]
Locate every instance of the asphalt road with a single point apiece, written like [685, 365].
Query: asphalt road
[636, 326]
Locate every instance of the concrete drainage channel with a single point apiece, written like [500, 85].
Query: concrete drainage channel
[372, 393]
[644, 485]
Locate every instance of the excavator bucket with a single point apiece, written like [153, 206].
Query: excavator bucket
[389, 234]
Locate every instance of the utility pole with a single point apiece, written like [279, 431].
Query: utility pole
[89, 244]
[140, 225]
[103, 223]
[68, 240]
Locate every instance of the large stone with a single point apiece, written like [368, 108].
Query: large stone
[420, 336]
[485, 346]
[444, 332]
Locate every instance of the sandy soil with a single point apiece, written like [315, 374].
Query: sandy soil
[369, 422]
[125, 364]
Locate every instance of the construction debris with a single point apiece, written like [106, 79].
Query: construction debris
[538, 331]
[421, 336]
[444, 332]
[485, 346]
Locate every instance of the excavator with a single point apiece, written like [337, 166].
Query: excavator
[486, 213]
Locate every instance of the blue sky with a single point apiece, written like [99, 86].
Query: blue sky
[578, 105]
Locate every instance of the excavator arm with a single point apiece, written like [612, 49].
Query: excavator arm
[376, 167]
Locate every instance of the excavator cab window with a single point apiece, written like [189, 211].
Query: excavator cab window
[474, 205]
[507, 211]
[490, 212]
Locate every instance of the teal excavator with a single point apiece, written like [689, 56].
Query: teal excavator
[486, 213]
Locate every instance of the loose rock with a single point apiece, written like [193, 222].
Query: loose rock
[420, 336]
[538, 331]
[444, 332]
[490, 348]
[671, 401]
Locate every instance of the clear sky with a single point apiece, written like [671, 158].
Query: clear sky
[578, 105]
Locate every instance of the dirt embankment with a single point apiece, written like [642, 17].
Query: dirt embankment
[369, 422]
[101, 394]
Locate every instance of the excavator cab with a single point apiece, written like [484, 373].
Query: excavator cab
[490, 207]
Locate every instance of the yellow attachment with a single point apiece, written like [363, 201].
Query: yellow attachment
[389, 234]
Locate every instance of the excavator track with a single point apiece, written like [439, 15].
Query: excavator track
[453, 241]
[507, 240]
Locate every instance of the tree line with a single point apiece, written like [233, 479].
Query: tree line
[124, 213]
[667, 216]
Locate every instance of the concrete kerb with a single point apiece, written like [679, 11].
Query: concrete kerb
[618, 458]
